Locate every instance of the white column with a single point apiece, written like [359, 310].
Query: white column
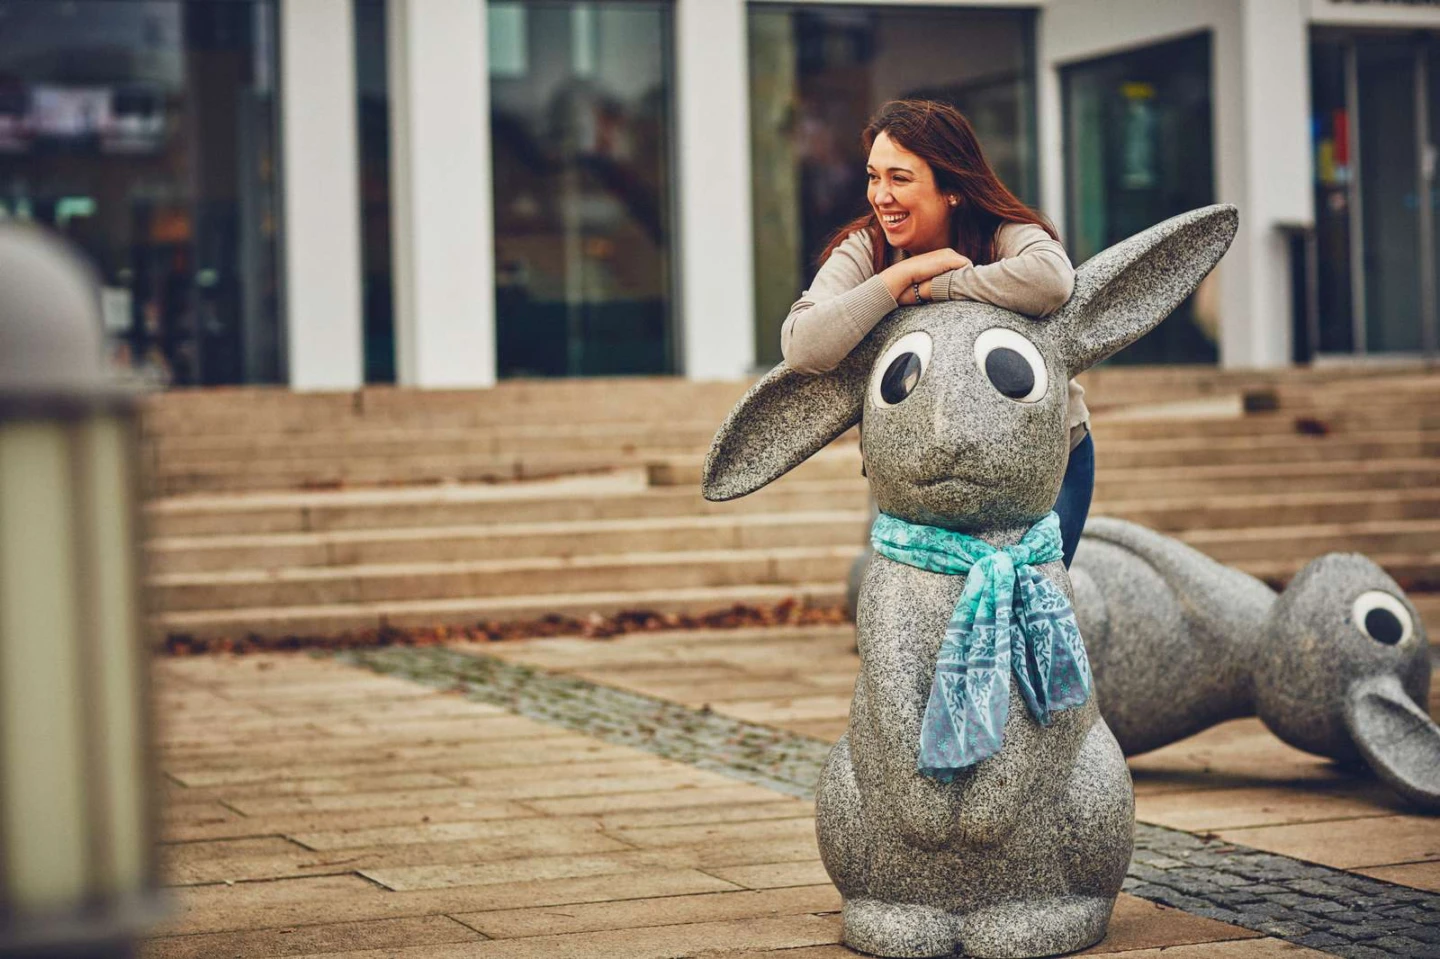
[442, 230]
[1256, 328]
[322, 203]
[717, 280]
[1050, 132]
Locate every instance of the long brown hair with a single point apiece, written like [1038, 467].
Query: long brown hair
[941, 136]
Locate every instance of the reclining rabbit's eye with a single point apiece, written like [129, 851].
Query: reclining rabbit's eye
[1382, 617]
[1012, 364]
[900, 369]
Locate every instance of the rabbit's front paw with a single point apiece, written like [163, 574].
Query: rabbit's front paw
[898, 929]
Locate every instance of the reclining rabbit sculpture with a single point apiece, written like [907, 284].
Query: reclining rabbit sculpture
[1337, 664]
[1021, 851]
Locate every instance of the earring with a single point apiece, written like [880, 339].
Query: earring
[953, 201]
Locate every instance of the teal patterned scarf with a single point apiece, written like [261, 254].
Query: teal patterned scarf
[996, 629]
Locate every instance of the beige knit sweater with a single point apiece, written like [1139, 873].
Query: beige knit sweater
[1031, 275]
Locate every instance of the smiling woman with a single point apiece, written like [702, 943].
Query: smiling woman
[940, 226]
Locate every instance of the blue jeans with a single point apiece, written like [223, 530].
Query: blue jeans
[1073, 504]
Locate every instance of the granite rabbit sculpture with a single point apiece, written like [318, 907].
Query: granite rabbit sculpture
[962, 408]
[1337, 664]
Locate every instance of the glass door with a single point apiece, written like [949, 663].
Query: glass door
[1139, 149]
[581, 130]
[1374, 102]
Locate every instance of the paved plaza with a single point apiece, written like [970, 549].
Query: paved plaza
[647, 796]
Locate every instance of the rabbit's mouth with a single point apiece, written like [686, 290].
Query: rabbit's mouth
[949, 478]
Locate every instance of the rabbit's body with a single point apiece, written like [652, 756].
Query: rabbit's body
[886, 856]
[1170, 658]
[1179, 642]
[1017, 846]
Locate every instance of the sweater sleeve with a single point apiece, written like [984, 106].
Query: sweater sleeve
[1032, 274]
[844, 303]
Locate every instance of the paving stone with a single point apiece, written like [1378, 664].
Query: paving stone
[496, 850]
[1223, 876]
[690, 835]
[1421, 875]
[773, 875]
[654, 912]
[1383, 841]
[302, 940]
[656, 942]
[217, 908]
[651, 801]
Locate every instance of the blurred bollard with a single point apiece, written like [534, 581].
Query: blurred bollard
[78, 873]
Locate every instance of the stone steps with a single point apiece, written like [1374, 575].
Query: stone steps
[458, 544]
[1270, 548]
[395, 582]
[347, 512]
[424, 613]
[833, 513]
[618, 495]
[426, 438]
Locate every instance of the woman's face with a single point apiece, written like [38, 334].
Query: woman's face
[913, 212]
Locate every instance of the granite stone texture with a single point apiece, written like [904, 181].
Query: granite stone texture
[962, 409]
[1335, 665]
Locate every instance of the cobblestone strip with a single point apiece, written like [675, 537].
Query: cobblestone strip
[1310, 905]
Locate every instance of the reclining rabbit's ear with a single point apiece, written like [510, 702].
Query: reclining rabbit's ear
[1124, 292]
[782, 421]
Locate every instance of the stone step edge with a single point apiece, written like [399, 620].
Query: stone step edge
[451, 612]
[479, 531]
[389, 534]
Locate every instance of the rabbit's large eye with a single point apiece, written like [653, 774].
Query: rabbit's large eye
[899, 370]
[1012, 364]
[1382, 617]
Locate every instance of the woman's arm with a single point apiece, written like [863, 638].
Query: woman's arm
[846, 301]
[1032, 274]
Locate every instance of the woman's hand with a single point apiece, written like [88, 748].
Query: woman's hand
[927, 266]
[902, 278]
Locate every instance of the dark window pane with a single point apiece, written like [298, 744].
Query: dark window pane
[817, 75]
[145, 131]
[373, 127]
[581, 134]
[1332, 131]
[1138, 150]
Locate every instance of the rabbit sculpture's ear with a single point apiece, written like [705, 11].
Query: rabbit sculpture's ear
[782, 421]
[1124, 292]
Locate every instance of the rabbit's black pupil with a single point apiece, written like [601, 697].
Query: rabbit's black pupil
[1384, 626]
[1010, 372]
[900, 378]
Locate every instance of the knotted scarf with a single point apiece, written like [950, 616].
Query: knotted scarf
[1010, 619]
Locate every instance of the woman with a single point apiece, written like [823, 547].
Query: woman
[941, 226]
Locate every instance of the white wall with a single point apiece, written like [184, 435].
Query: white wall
[320, 159]
[1369, 13]
[1260, 83]
[442, 229]
[716, 281]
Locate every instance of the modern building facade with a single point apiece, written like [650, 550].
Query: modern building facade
[443, 193]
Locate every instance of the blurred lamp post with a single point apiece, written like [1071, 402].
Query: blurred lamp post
[77, 863]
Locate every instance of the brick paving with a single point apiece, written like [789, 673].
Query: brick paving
[319, 809]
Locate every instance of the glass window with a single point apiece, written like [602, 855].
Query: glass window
[145, 131]
[817, 75]
[1139, 150]
[372, 89]
[581, 136]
